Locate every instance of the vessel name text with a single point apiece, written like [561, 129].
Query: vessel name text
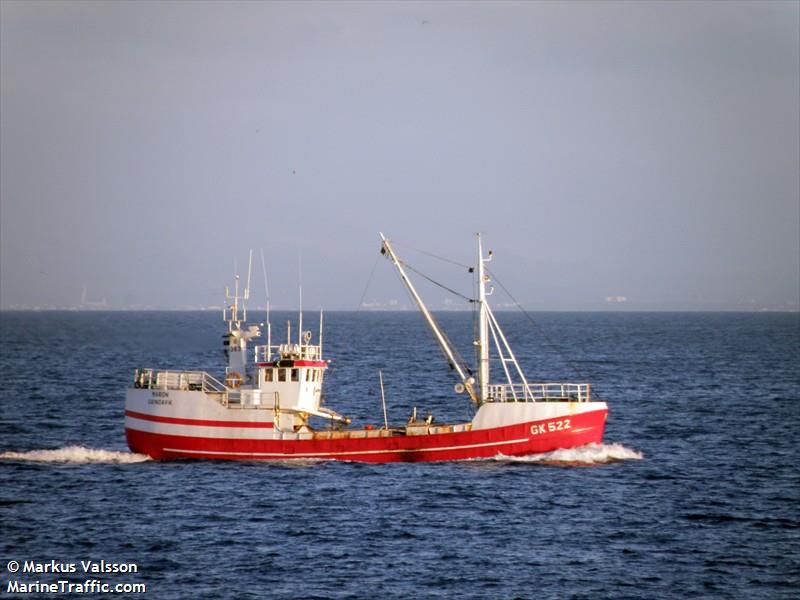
[160, 398]
[550, 427]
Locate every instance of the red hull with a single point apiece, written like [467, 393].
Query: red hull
[513, 440]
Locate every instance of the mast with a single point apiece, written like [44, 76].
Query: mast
[465, 378]
[231, 311]
[300, 295]
[483, 324]
[266, 295]
[320, 333]
[235, 314]
[300, 319]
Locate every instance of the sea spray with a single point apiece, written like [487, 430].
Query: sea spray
[590, 454]
[75, 455]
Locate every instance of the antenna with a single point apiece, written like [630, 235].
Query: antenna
[266, 292]
[246, 293]
[249, 269]
[300, 286]
[230, 312]
[300, 324]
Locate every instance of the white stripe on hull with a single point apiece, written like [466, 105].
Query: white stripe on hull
[234, 433]
[347, 453]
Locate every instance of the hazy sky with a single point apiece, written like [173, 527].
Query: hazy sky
[646, 150]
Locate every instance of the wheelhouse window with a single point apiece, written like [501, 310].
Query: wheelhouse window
[295, 374]
[268, 375]
[282, 374]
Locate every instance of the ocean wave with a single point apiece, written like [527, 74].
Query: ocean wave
[76, 455]
[590, 454]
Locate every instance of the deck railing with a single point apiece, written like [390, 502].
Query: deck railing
[539, 392]
[248, 398]
[154, 379]
[296, 351]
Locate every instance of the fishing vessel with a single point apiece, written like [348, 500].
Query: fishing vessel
[269, 403]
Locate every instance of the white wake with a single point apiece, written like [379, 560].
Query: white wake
[76, 455]
[590, 454]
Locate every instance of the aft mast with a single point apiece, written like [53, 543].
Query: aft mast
[483, 325]
[467, 380]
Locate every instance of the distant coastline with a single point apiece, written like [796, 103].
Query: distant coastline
[395, 309]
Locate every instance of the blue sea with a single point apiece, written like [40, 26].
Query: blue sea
[694, 494]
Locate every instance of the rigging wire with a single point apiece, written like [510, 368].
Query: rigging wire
[434, 282]
[560, 352]
[463, 363]
[369, 281]
[436, 256]
[457, 355]
[421, 274]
